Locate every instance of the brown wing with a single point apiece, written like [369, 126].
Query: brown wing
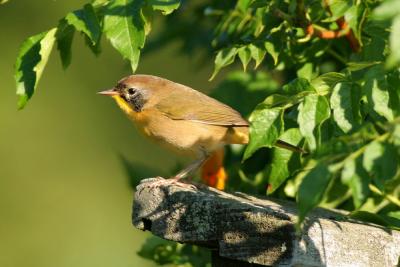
[188, 104]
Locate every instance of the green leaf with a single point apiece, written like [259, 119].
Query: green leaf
[243, 5]
[313, 111]
[393, 219]
[297, 86]
[31, 60]
[165, 6]
[159, 250]
[244, 56]
[345, 103]
[124, 26]
[394, 57]
[272, 50]
[352, 17]
[306, 71]
[381, 160]
[65, 34]
[312, 188]
[387, 10]
[99, 2]
[257, 53]
[394, 214]
[284, 161]
[355, 176]
[376, 89]
[338, 8]
[243, 91]
[3, 1]
[168, 252]
[224, 58]
[258, 3]
[276, 100]
[373, 218]
[326, 82]
[85, 21]
[396, 135]
[356, 66]
[265, 128]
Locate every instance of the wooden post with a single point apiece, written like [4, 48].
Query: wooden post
[243, 230]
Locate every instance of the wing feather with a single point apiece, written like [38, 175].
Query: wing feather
[188, 104]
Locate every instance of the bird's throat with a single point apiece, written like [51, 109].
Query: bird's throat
[123, 105]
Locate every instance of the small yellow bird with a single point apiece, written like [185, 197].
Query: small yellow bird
[181, 118]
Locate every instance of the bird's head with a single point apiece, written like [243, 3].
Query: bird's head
[136, 92]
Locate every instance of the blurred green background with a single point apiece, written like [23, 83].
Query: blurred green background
[65, 198]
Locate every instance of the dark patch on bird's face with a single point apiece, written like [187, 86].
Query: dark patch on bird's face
[133, 96]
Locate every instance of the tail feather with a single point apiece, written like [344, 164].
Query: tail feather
[213, 171]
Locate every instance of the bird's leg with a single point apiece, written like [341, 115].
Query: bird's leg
[194, 166]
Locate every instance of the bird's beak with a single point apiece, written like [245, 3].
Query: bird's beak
[109, 92]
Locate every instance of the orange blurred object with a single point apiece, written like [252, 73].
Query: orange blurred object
[213, 172]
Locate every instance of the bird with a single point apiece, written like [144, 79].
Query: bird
[182, 119]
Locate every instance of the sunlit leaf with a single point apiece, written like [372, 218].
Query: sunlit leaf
[165, 6]
[244, 56]
[243, 4]
[345, 103]
[394, 58]
[284, 161]
[338, 8]
[272, 51]
[257, 53]
[224, 58]
[356, 66]
[266, 127]
[376, 88]
[394, 214]
[124, 26]
[85, 21]
[381, 160]
[354, 175]
[313, 111]
[306, 71]
[353, 18]
[297, 86]
[326, 82]
[396, 135]
[31, 60]
[388, 9]
[99, 2]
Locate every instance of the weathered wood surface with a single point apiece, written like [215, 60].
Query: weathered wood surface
[260, 231]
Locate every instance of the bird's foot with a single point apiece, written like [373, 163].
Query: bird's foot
[171, 181]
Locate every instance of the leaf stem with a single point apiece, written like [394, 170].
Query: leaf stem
[337, 56]
[392, 199]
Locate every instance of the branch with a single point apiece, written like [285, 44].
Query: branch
[242, 230]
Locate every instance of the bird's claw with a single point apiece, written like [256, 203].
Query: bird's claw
[165, 182]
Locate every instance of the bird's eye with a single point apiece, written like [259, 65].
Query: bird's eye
[131, 91]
